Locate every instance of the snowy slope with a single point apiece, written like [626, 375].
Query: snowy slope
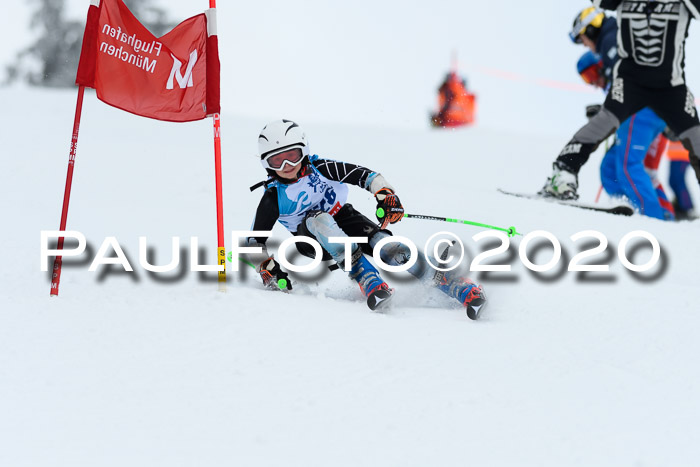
[142, 370]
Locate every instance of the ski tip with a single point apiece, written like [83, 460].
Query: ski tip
[622, 210]
[380, 299]
[475, 307]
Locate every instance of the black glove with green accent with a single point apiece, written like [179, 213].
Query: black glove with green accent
[273, 276]
[389, 208]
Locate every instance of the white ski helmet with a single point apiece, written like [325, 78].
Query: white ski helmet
[280, 136]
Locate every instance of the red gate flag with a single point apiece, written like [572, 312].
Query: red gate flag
[173, 78]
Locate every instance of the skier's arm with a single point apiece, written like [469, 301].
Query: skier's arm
[265, 217]
[607, 4]
[352, 174]
[389, 208]
[345, 172]
[694, 7]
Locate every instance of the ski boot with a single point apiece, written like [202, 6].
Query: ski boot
[373, 287]
[466, 292]
[561, 185]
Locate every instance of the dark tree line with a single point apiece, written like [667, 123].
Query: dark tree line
[52, 60]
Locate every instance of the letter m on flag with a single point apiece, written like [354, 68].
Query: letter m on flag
[186, 80]
[135, 71]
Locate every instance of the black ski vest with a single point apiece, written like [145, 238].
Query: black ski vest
[651, 39]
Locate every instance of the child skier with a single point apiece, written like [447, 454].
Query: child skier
[307, 195]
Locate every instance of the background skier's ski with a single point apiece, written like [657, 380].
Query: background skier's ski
[622, 210]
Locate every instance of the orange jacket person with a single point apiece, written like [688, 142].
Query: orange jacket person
[457, 105]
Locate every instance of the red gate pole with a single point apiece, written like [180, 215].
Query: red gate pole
[58, 260]
[221, 248]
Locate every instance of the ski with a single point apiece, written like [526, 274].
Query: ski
[620, 210]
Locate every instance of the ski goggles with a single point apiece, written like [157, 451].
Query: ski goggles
[591, 75]
[277, 161]
[589, 17]
[575, 35]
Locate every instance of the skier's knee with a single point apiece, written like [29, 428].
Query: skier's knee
[318, 214]
[315, 220]
[600, 126]
[394, 253]
[322, 227]
[691, 140]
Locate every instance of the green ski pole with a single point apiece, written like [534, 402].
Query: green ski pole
[511, 231]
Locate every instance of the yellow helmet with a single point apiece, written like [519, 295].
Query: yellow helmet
[587, 22]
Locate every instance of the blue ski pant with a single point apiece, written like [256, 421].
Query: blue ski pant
[622, 170]
[677, 181]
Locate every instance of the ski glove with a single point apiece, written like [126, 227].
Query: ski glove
[389, 208]
[273, 276]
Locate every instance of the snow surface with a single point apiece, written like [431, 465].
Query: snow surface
[142, 370]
